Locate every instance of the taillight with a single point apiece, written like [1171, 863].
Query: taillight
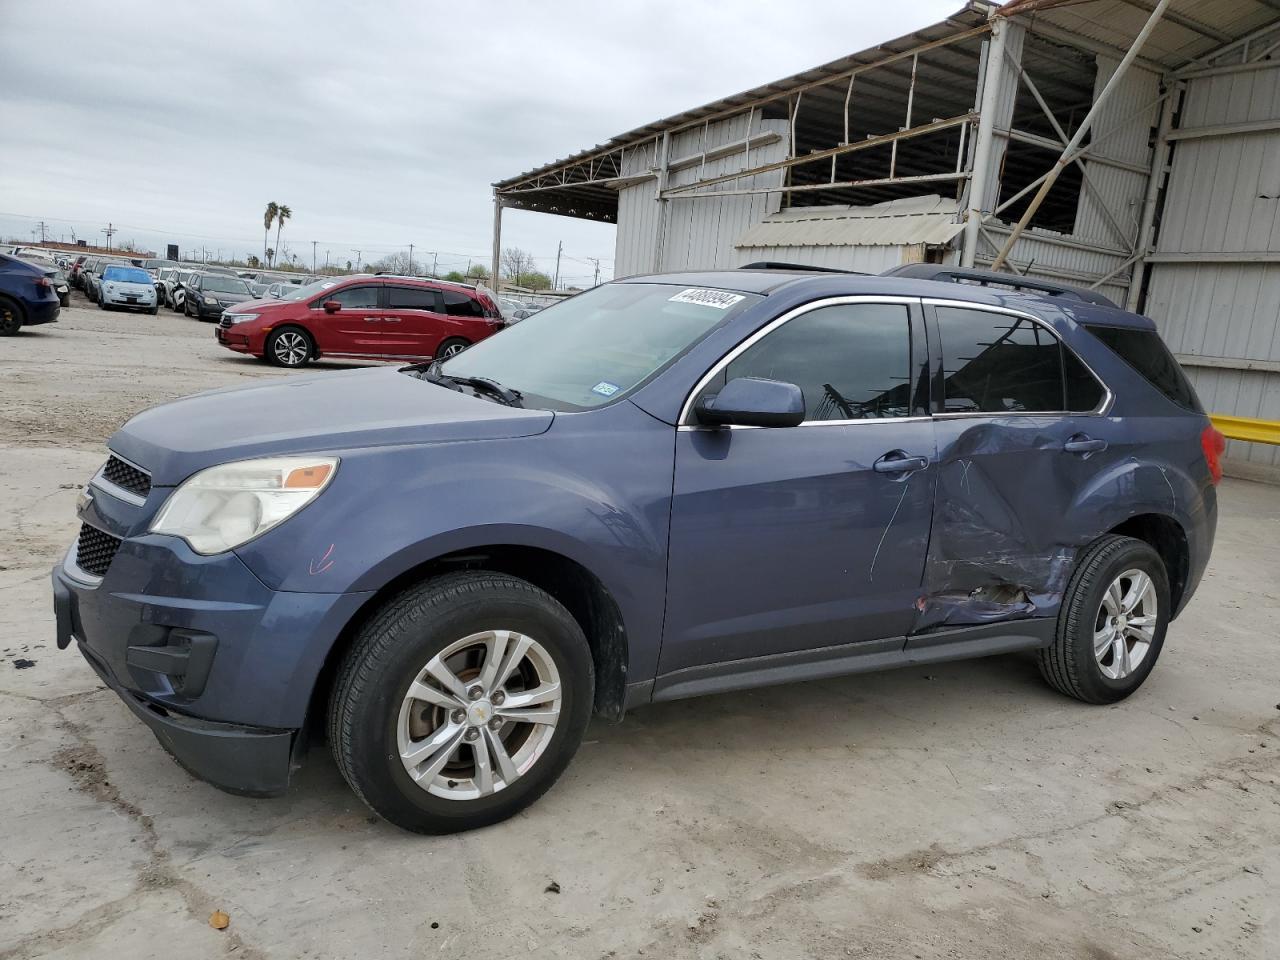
[1214, 444]
[43, 282]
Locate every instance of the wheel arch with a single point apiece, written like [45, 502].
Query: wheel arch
[1166, 536]
[581, 592]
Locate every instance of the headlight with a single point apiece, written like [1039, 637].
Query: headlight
[239, 317]
[223, 507]
[210, 299]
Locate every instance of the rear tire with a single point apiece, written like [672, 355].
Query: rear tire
[1112, 623]
[10, 317]
[290, 347]
[451, 347]
[458, 786]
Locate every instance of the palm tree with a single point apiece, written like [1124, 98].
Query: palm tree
[283, 213]
[268, 218]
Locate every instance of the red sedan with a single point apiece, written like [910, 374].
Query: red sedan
[366, 317]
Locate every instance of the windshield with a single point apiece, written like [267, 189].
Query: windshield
[221, 284]
[126, 275]
[310, 290]
[598, 345]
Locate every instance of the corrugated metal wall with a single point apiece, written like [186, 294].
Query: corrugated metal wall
[1223, 198]
[699, 233]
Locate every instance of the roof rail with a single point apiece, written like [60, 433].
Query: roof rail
[777, 265]
[948, 274]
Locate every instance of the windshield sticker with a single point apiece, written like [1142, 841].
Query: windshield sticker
[719, 299]
[605, 388]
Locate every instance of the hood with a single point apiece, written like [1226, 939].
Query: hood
[312, 414]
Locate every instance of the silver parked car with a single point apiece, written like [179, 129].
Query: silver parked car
[127, 287]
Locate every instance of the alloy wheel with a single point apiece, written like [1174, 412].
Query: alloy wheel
[479, 715]
[290, 348]
[453, 349]
[8, 320]
[1125, 626]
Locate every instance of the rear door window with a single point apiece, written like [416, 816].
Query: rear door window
[1146, 353]
[999, 363]
[414, 298]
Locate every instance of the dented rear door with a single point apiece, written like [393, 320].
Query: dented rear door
[1012, 457]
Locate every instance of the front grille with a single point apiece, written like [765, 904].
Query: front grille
[95, 550]
[126, 476]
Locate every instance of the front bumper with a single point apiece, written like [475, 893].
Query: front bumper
[224, 684]
[138, 301]
[207, 311]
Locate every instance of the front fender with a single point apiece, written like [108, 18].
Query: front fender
[596, 488]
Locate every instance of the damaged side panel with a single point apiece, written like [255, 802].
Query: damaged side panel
[1007, 524]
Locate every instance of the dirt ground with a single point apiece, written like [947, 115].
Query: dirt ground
[958, 811]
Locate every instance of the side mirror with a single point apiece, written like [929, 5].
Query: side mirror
[332, 306]
[753, 402]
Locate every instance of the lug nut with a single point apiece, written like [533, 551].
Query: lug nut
[458, 716]
[476, 692]
[497, 698]
[471, 734]
[495, 723]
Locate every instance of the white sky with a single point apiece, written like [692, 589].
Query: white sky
[379, 124]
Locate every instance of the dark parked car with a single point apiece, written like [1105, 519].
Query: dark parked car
[378, 317]
[206, 295]
[664, 487]
[55, 274]
[27, 295]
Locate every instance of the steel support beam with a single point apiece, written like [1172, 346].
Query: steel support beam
[841, 185]
[876, 141]
[497, 239]
[984, 139]
[660, 234]
[1081, 132]
[1159, 171]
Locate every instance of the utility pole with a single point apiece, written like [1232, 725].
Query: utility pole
[411, 259]
[42, 231]
[108, 230]
[313, 256]
[555, 283]
[359, 258]
[596, 261]
[435, 259]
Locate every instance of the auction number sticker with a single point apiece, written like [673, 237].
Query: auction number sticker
[719, 299]
[605, 388]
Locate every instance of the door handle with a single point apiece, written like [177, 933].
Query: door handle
[896, 461]
[1082, 444]
[372, 319]
[390, 319]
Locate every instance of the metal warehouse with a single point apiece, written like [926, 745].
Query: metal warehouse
[1128, 146]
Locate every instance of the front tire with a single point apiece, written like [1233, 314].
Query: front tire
[1112, 624]
[461, 702]
[290, 347]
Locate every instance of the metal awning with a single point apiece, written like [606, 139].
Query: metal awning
[909, 220]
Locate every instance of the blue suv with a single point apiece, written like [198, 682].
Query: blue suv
[668, 486]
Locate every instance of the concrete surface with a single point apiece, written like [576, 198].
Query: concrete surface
[963, 811]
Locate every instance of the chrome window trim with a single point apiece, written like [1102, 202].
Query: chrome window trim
[686, 409]
[1100, 410]
[120, 493]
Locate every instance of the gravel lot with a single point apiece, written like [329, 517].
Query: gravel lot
[963, 811]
